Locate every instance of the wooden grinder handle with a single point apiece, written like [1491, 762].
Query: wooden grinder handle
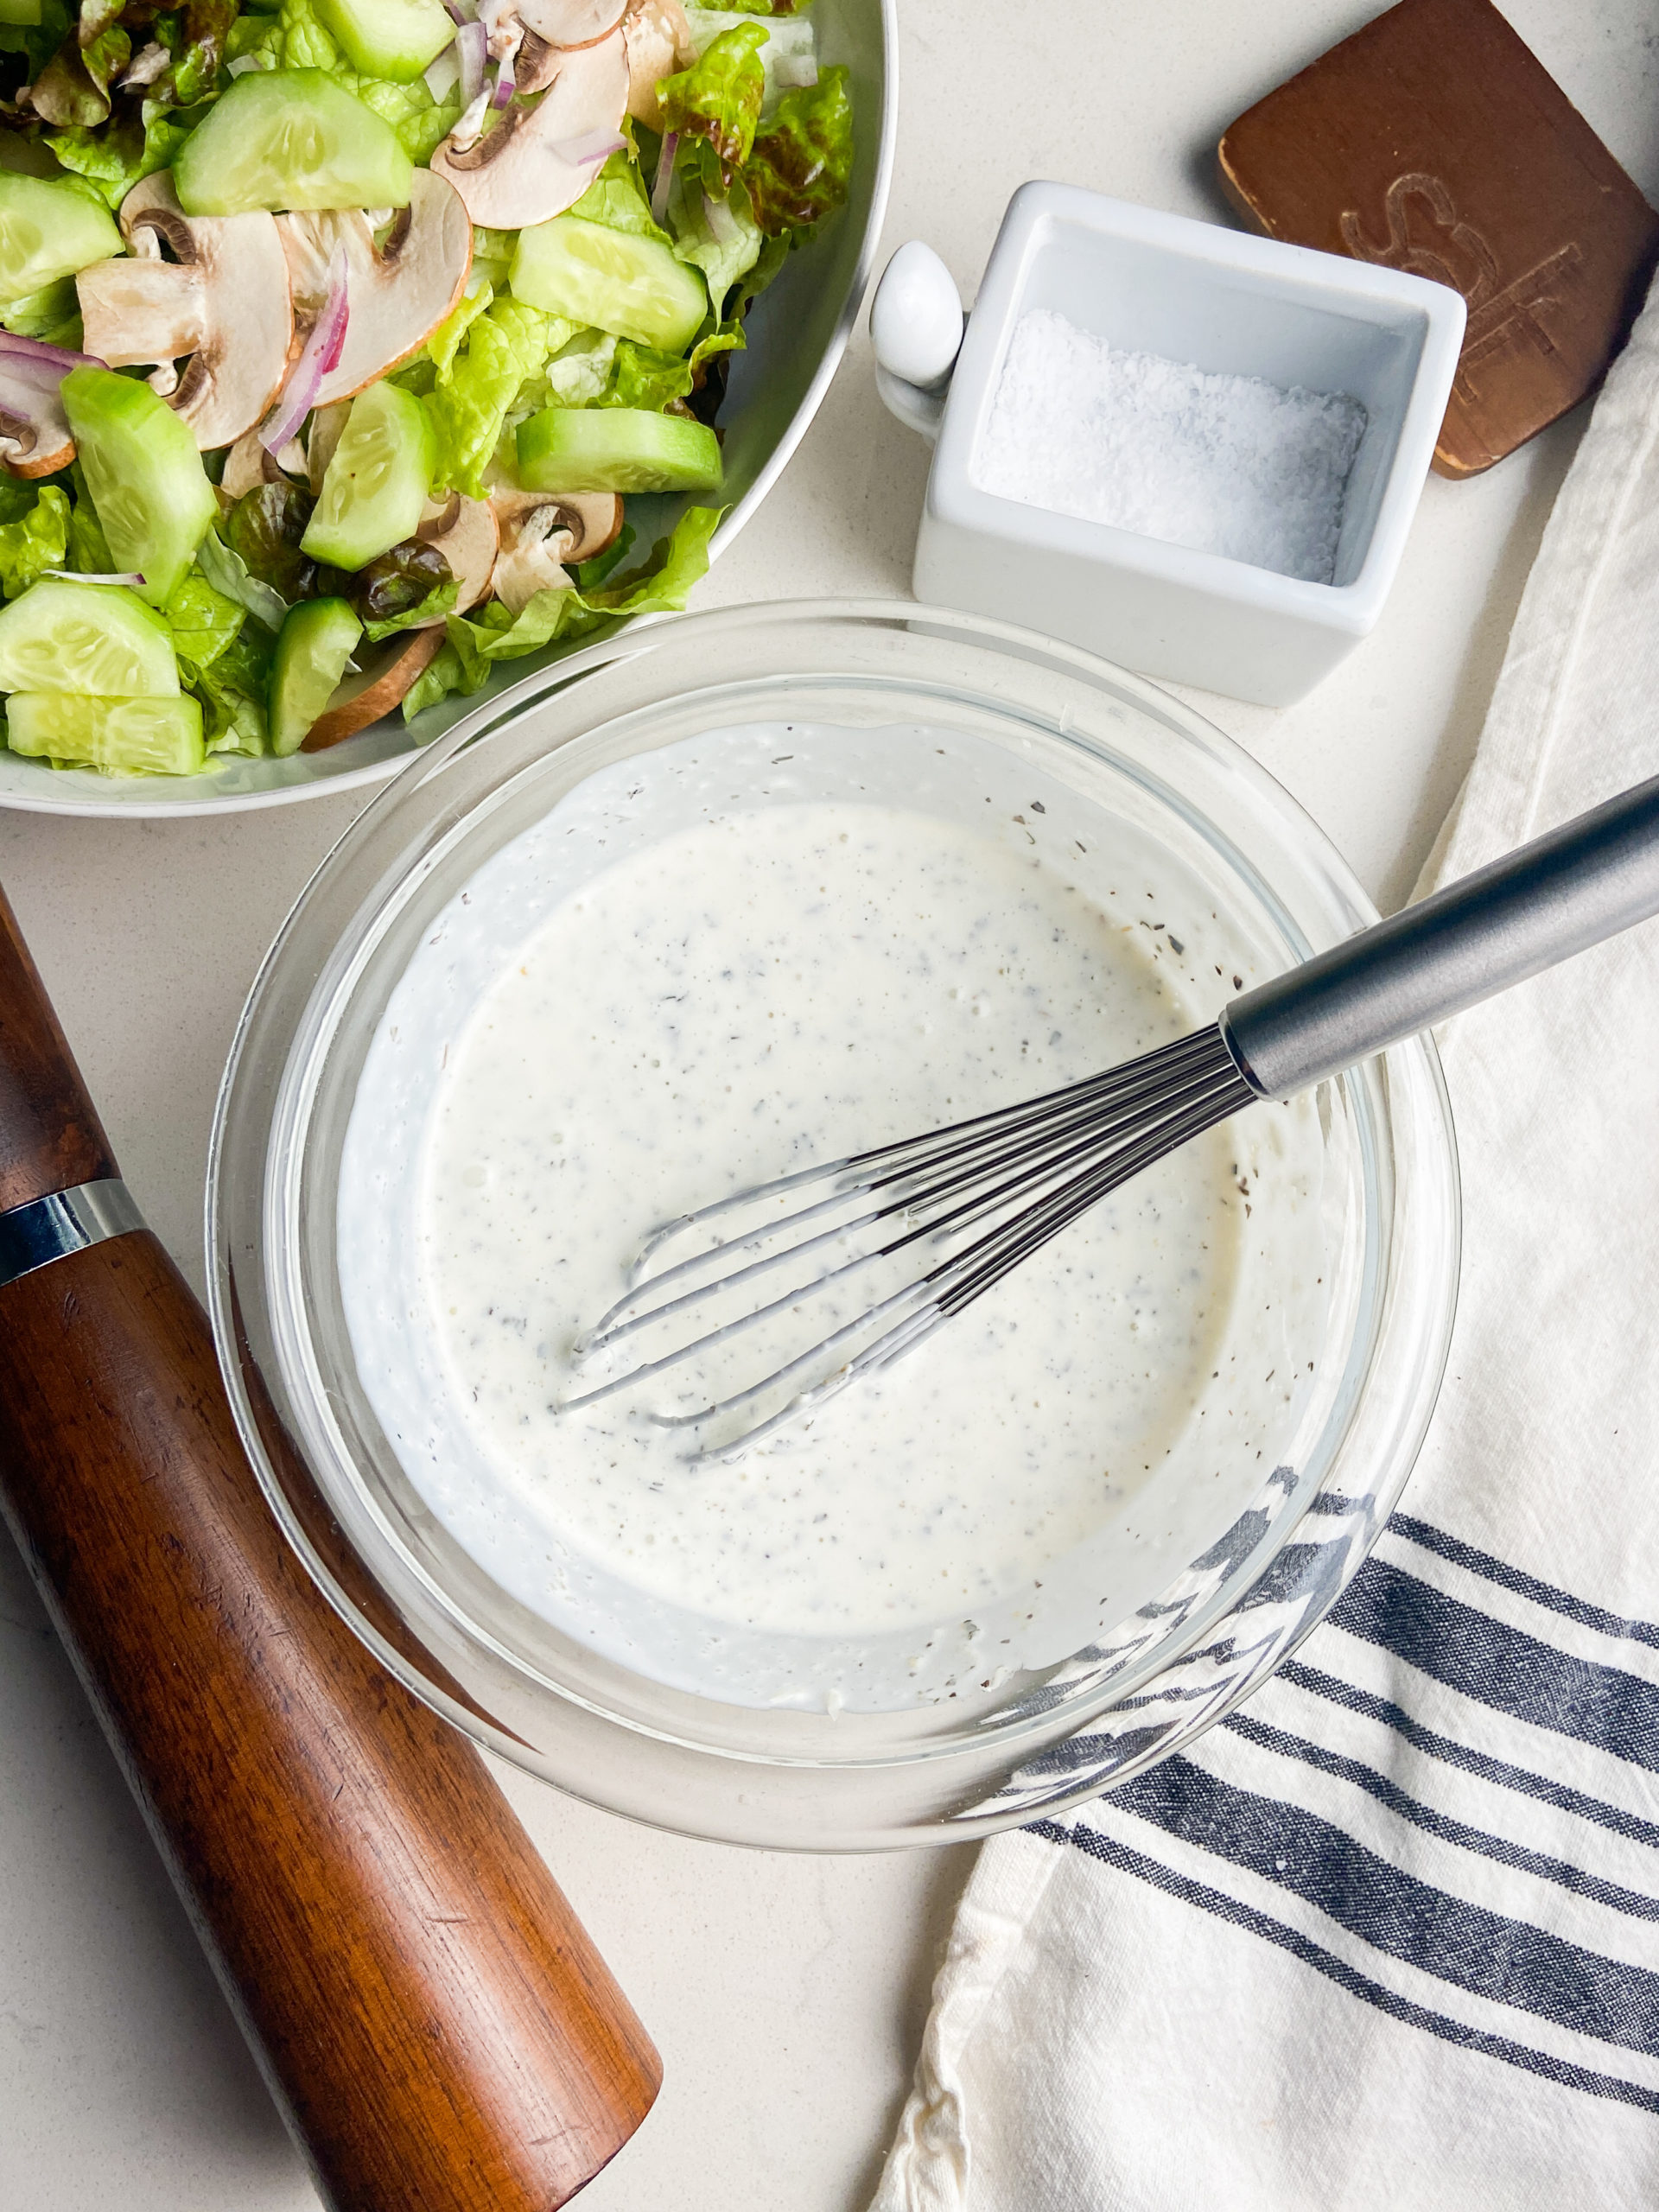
[439, 2030]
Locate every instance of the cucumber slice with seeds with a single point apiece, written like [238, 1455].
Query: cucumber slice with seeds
[154, 737]
[389, 38]
[99, 639]
[311, 654]
[616, 450]
[48, 230]
[281, 138]
[376, 482]
[610, 280]
[144, 474]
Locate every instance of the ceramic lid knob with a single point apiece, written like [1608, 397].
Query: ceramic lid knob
[916, 320]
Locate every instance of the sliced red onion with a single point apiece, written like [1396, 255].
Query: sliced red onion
[505, 86]
[443, 73]
[472, 45]
[464, 12]
[14, 351]
[322, 352]
[664, 177]
[589, 148]
[721, 220]
[133, 578]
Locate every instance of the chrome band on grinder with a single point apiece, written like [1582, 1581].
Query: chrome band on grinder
[44, 1230]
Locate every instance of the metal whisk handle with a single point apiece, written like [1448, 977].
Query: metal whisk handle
[1594, 876]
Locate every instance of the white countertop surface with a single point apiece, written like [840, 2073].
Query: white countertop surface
[786, 1994]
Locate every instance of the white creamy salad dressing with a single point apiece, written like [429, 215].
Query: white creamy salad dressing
[717, 964]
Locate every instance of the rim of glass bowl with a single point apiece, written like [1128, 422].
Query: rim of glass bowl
[1148, 1691]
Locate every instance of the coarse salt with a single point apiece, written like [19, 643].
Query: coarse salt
[1221, 464]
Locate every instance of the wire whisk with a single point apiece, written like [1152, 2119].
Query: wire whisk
[869, 1256]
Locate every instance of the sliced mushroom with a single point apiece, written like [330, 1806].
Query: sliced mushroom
[398, 293]
[522, 171]
[658, 40]
[570, 23]
[362, 699]
[541, 531]
[37, 443]
[467, 535]
[223, 301]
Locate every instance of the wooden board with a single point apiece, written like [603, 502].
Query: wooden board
[1434, 141]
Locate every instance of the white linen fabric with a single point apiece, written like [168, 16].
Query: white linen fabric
[1389, 1936]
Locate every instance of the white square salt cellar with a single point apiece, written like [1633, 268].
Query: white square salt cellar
[1232, 307]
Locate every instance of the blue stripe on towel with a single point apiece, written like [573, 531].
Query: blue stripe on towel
[1317, 1683]
[1423, 1816]
[1453, 1549]
[1113, 1854]
[1485, 1953]
[1502, 1667]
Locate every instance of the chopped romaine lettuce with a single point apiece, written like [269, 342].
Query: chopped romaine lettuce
[34, 540]
[445, 341]
[506, 345]
[617, 197]
[231, 690]
[117, 157]
[204, 623]
[642, 377]
[721, 259]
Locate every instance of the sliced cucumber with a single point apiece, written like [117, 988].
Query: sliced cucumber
[375, 484]
[283, 139]
[88, 638]
[144, 474]
[631, 287]
[616, 450]
[311, 654]
[48, 230]
[389, 38]
[149, 737]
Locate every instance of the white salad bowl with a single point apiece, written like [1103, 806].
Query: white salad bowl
[796, 332]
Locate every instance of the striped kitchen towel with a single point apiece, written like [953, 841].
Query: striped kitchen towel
[1389, 1936]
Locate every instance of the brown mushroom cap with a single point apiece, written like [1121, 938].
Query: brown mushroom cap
[223, 300]
[362, 699]
[519, 173]
[396, 293]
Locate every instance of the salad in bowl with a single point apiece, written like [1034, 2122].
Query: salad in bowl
[347, 347]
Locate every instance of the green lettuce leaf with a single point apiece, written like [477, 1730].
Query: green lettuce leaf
[578, 375]
[509, 344]
[642, 377]
[231, 690]
[52, 314]
[37, 42]
[715, 104]
[722, 261]
[801, 162]
[37, 539]
[204, 623]
[617, 197]
[229, 573]
[115, 158]
[445, 341]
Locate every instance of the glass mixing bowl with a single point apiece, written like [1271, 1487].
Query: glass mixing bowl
[1103, 744]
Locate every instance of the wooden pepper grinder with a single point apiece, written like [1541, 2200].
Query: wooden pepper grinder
[437, 2028]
